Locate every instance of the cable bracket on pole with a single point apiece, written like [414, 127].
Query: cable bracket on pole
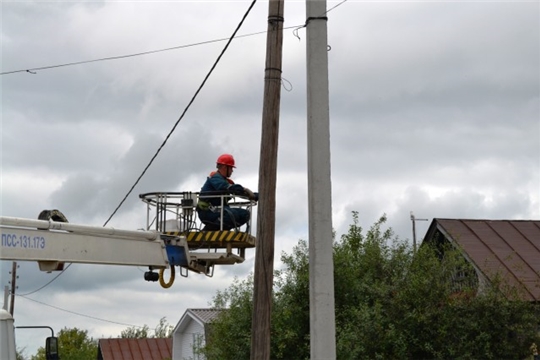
[275, 18]
[325, 18]
[272, 77]
[273, 68]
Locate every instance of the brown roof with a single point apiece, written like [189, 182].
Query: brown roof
[135, 349]
[205, 315]
[201, 316]
[510, 248]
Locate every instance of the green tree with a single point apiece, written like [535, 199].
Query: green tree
[236, 321]
[390, 303]
[162, 330]
[20, 354]
[135, 332]
[73, 344]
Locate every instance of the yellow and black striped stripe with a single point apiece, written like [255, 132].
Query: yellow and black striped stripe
[217, 239]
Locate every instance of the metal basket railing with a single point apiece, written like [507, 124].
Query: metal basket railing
[176, 212]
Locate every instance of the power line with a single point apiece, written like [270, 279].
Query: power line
[335, 6]
[78, 314]
[35, 291]
[191, 101]
[168, 135]
[33, 70]
[184, 112]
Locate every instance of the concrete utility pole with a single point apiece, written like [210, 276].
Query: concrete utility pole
[321, 265]
[266, 215]
[414, 220]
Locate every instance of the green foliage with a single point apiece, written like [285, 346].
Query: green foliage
[20, 354]
[162, 330]
[73, 344]
[135, 332]
[233, 324]
[389, 302]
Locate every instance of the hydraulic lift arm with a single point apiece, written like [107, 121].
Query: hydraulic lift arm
[50, 243]
[53, 243]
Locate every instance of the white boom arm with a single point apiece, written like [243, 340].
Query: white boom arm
[53, 243]
[50, 242]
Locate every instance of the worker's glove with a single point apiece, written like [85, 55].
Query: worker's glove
[236, 189]
[251, 195]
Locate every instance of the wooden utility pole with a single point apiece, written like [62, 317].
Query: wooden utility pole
[266, 213]
[13, 287]
[6, 297]
[321, 265]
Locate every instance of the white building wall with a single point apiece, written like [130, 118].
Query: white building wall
[177, 346]
[7, 336]
[183, 343]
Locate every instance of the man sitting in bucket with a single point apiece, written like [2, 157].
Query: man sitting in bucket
[219, 183]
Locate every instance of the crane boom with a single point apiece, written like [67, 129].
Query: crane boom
[31, 240]
[52, 241]
[177, 240]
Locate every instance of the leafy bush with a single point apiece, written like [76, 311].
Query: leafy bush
[389, 303]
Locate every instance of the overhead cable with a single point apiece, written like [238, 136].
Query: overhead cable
[54, 278]
[79, 314]
[33, 70]
[168, 136]
[185, 110]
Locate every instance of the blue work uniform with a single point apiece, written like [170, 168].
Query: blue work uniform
[209, 208]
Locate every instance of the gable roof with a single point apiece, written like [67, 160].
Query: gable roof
[135, 349]
[510, 248]
[205, 315]
[202, 316]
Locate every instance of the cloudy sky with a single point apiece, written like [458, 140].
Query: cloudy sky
[434, 108]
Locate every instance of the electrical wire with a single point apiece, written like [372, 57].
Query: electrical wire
[76, 313]
[335, 6]
[185, 110]
[168, 136]
[296, 27]
[33, 70]
[54, 278]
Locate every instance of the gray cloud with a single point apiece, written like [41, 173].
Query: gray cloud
[434, 108]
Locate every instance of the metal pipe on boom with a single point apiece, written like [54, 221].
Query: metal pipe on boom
[81, 229]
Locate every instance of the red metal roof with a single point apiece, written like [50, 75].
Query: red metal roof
[510, 248]
[135, 349]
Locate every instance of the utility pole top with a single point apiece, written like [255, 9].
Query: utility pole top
[414, 220]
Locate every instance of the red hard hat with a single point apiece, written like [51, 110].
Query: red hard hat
[226, 159]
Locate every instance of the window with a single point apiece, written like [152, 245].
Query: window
[197, 344]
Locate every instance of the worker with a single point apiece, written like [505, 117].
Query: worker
[220, 183]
